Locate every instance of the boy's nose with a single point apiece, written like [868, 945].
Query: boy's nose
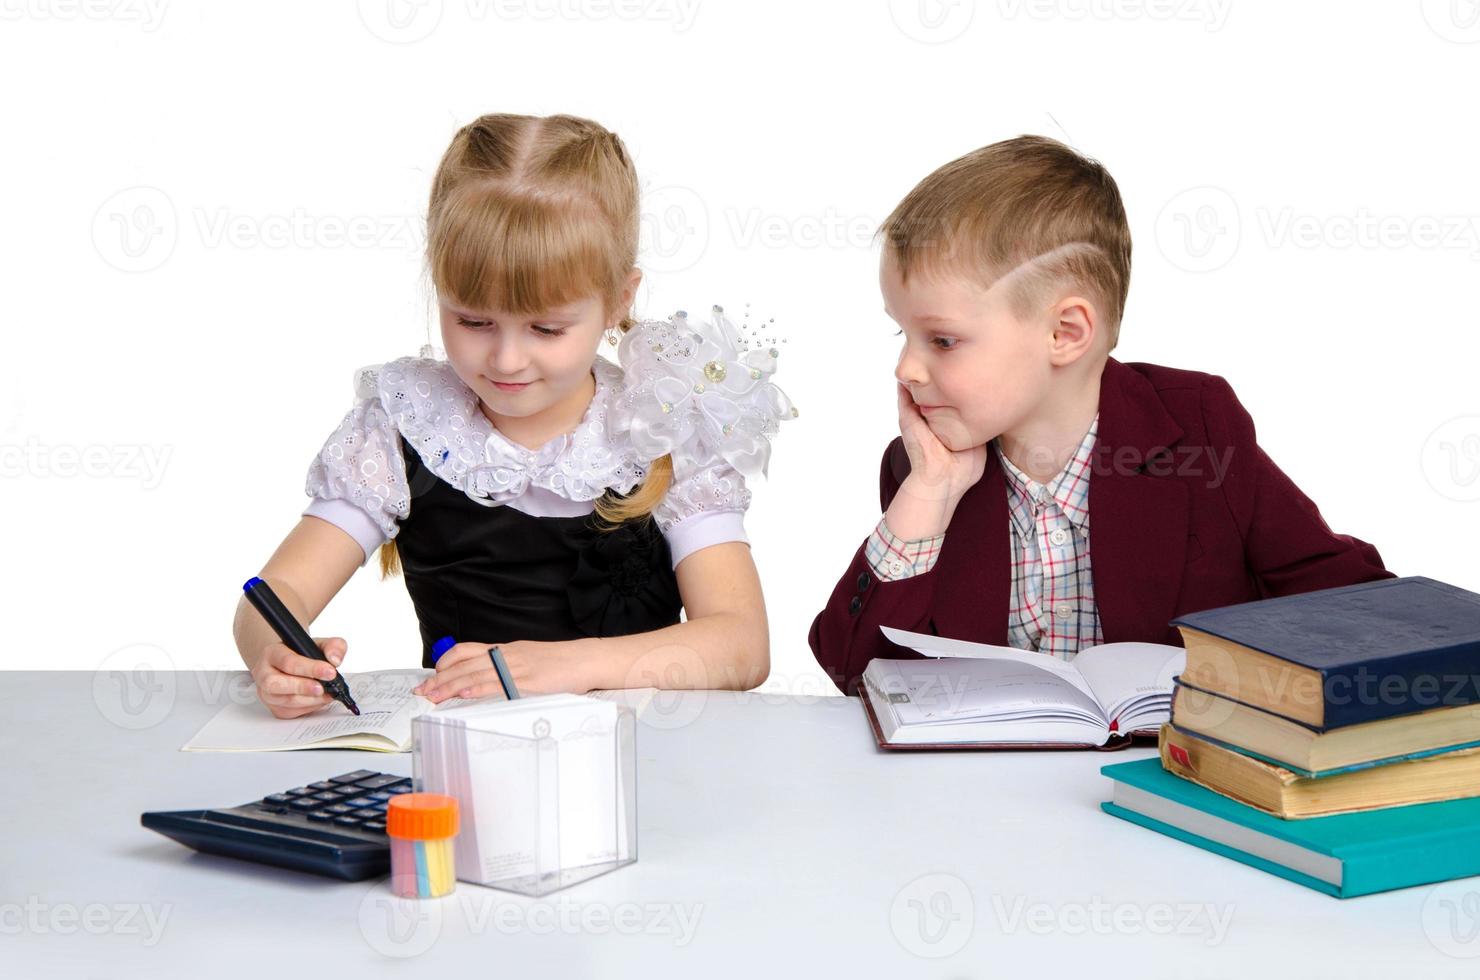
[908, 373]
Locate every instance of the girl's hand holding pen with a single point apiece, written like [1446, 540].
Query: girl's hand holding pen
[288, 683]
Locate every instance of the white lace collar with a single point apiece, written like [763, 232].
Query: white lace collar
[439, 416]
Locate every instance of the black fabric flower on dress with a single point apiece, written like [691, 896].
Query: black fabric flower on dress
[623, 581]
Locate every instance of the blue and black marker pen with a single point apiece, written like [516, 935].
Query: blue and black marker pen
[266, 602]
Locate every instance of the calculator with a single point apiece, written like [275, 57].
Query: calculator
[335, 827]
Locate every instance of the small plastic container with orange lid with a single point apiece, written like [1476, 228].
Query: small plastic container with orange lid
[422, 828]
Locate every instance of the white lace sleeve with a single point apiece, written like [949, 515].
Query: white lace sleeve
[697, 392]
[358, 479]
[705, 505]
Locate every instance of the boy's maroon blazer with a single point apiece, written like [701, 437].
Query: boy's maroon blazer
[1186, 512]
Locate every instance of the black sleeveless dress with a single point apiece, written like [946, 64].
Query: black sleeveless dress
[495, 574]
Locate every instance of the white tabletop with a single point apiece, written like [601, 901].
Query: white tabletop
[775, 840]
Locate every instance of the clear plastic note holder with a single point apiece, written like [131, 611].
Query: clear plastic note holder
[546, 787]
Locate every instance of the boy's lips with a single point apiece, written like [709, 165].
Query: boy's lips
[927, 409]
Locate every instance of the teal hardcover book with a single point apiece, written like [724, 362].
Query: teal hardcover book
[1345, 855]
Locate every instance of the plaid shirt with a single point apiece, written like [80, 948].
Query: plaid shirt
[1051, 607]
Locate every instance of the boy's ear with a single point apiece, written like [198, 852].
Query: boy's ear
[1075, 331]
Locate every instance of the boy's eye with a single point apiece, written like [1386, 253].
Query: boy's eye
[943, 343]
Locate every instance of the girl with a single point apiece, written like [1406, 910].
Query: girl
[534, 494]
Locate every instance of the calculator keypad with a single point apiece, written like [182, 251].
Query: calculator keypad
[355, 800]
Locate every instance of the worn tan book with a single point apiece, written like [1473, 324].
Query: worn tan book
[1276, 790]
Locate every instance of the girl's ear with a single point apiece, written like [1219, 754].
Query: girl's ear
[629, 292]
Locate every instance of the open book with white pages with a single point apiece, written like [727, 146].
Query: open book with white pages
[977, 695]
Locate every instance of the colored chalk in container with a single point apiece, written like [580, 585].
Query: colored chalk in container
[422, 828]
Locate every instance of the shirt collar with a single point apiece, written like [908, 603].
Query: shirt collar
[1069, 489]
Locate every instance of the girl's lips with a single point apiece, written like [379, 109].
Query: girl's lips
[508, 387]
[927, 409]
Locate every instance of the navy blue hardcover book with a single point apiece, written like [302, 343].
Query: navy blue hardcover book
[1379, 649]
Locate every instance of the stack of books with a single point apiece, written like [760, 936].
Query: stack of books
[1331, 737]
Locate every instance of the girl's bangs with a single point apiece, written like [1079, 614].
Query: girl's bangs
[495, 249]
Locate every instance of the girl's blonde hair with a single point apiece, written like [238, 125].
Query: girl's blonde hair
[529, 213]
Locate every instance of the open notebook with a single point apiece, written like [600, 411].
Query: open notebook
[976, 695]
[386, 704]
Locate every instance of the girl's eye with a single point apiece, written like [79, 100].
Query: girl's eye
[474, 324]
[549, 331]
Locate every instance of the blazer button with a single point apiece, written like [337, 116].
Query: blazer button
[863, 581]
[854, 606]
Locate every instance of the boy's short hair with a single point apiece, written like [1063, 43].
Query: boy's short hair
[1030, 204]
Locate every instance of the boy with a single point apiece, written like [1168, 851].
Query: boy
[1007, 271]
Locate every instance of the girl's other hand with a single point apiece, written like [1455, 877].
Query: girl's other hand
[466, 671]
[288, 682]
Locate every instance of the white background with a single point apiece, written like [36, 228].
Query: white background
[212, 217]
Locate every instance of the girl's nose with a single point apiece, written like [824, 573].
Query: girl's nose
[508, 360]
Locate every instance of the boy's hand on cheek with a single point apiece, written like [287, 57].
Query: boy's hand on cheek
[939, 476]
